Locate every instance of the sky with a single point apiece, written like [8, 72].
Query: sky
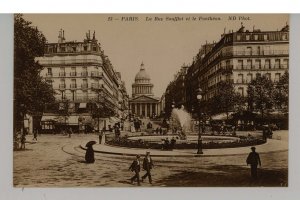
[163, 46]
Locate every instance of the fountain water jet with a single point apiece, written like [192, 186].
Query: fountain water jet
[181, 120]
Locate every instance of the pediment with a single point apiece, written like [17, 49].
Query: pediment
[144, 99]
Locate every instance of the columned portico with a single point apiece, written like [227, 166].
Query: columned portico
[143, 103]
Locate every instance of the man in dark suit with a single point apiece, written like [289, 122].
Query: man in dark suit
[147, 165]
[136, 168]
[253, 159]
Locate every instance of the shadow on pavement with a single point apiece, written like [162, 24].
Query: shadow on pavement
[226, 176]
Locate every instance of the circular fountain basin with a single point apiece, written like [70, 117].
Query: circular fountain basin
[189, 138]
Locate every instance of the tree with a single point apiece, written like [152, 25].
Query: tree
[226, 99]
[260, 94]
[31, 92]
[101, 109]
[281, 92]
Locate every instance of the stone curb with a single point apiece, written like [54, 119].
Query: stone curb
[177, 155]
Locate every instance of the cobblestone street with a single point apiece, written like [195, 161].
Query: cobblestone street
[58, 161]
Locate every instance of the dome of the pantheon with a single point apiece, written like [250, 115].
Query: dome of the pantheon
[142, 75]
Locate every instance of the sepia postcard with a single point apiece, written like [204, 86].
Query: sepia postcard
[151, 100]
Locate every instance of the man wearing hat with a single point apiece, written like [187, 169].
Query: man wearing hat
[147, 166]
[136, 168]
[254, 160]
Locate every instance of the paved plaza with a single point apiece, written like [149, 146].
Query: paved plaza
[58, 161]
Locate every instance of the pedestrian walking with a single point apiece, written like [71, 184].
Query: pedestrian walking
[136, 168]
[35, 134]
[23, 140]
[89, 154]
[253, 160]
[147, 166]
[173, 141]
[100, 136]
[70, 132]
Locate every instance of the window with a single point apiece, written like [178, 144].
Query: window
[240, 64]
[62, 72]
[249, 51]
[84, 95]
[73, 83]
[74, 49]
[258, 50]
[84, 84]
[241, 91]
[249, 64]
[255, 37]
[277, 64]
[258, 75]
[240, 78]
[238, 37]
[267, 64]
[267, 50]
[265, 37]
[49, 72]
[62, 84]
[85, 48]
[63, 49]
[94, 48]
[249, 78]
[247, 37]
[277, 77]
[73, 71]
[63, 96]
[84, 71]
[258, 64]
[268, 76]
[286, 63]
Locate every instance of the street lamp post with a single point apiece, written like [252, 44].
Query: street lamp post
[199, 97]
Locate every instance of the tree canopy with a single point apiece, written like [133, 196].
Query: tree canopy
[281, 92]
[31, 92]
[260, 94]
[226, 99]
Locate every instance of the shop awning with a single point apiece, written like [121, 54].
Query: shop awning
[222, 116]
[72, 119]
[48, 118]
[82, 105]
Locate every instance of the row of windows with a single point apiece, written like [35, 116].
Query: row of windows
[250, 77]
[55, 49]
[249, 64]
[262, 37]
[242, 79]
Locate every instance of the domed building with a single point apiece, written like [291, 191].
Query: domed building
[143, 103]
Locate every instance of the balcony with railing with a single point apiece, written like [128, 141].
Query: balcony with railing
[262, 67]
[62, 74]
[73, 74]
[84, 74]
[256, 53]
[95, 74]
